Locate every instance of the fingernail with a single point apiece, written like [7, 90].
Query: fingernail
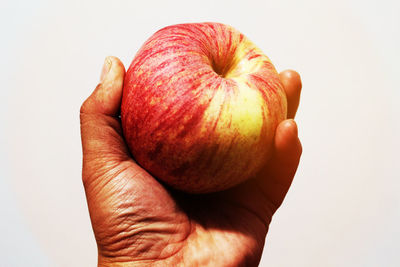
[106, 68]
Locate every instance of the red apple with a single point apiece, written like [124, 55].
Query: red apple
[200, 107]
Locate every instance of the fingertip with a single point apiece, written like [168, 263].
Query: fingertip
[292, 79]
[113, 73]
[290, 125]
[287, 143]
[292, 84]
[117, 66]
[286, 131]
[290, 75]
[106, 98]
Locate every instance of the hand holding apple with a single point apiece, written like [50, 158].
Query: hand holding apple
[200, 107]
[137, 221]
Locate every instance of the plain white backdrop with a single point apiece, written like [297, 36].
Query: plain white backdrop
[343, 208]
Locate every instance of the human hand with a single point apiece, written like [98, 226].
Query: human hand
[137, 221]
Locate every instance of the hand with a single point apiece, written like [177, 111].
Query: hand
[138, 221]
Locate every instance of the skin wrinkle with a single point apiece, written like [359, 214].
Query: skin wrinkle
[130, 241]
[107, 173]
[111, 152]
[139, 236]
[125, 235]
[96, 172]
[176, 227]
[140, 233]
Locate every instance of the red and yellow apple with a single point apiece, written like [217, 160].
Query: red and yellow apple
[200, 107]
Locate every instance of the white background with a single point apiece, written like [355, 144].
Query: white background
[343, 208]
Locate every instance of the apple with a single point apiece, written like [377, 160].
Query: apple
[200, 107]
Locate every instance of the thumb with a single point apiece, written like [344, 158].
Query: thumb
[106, 98]
[102, 143]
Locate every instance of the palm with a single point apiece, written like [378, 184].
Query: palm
[134, 213]
[137, 219]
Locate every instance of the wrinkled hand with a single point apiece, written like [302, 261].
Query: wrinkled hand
[137, 221]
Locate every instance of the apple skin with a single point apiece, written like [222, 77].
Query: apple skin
[200, 107]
